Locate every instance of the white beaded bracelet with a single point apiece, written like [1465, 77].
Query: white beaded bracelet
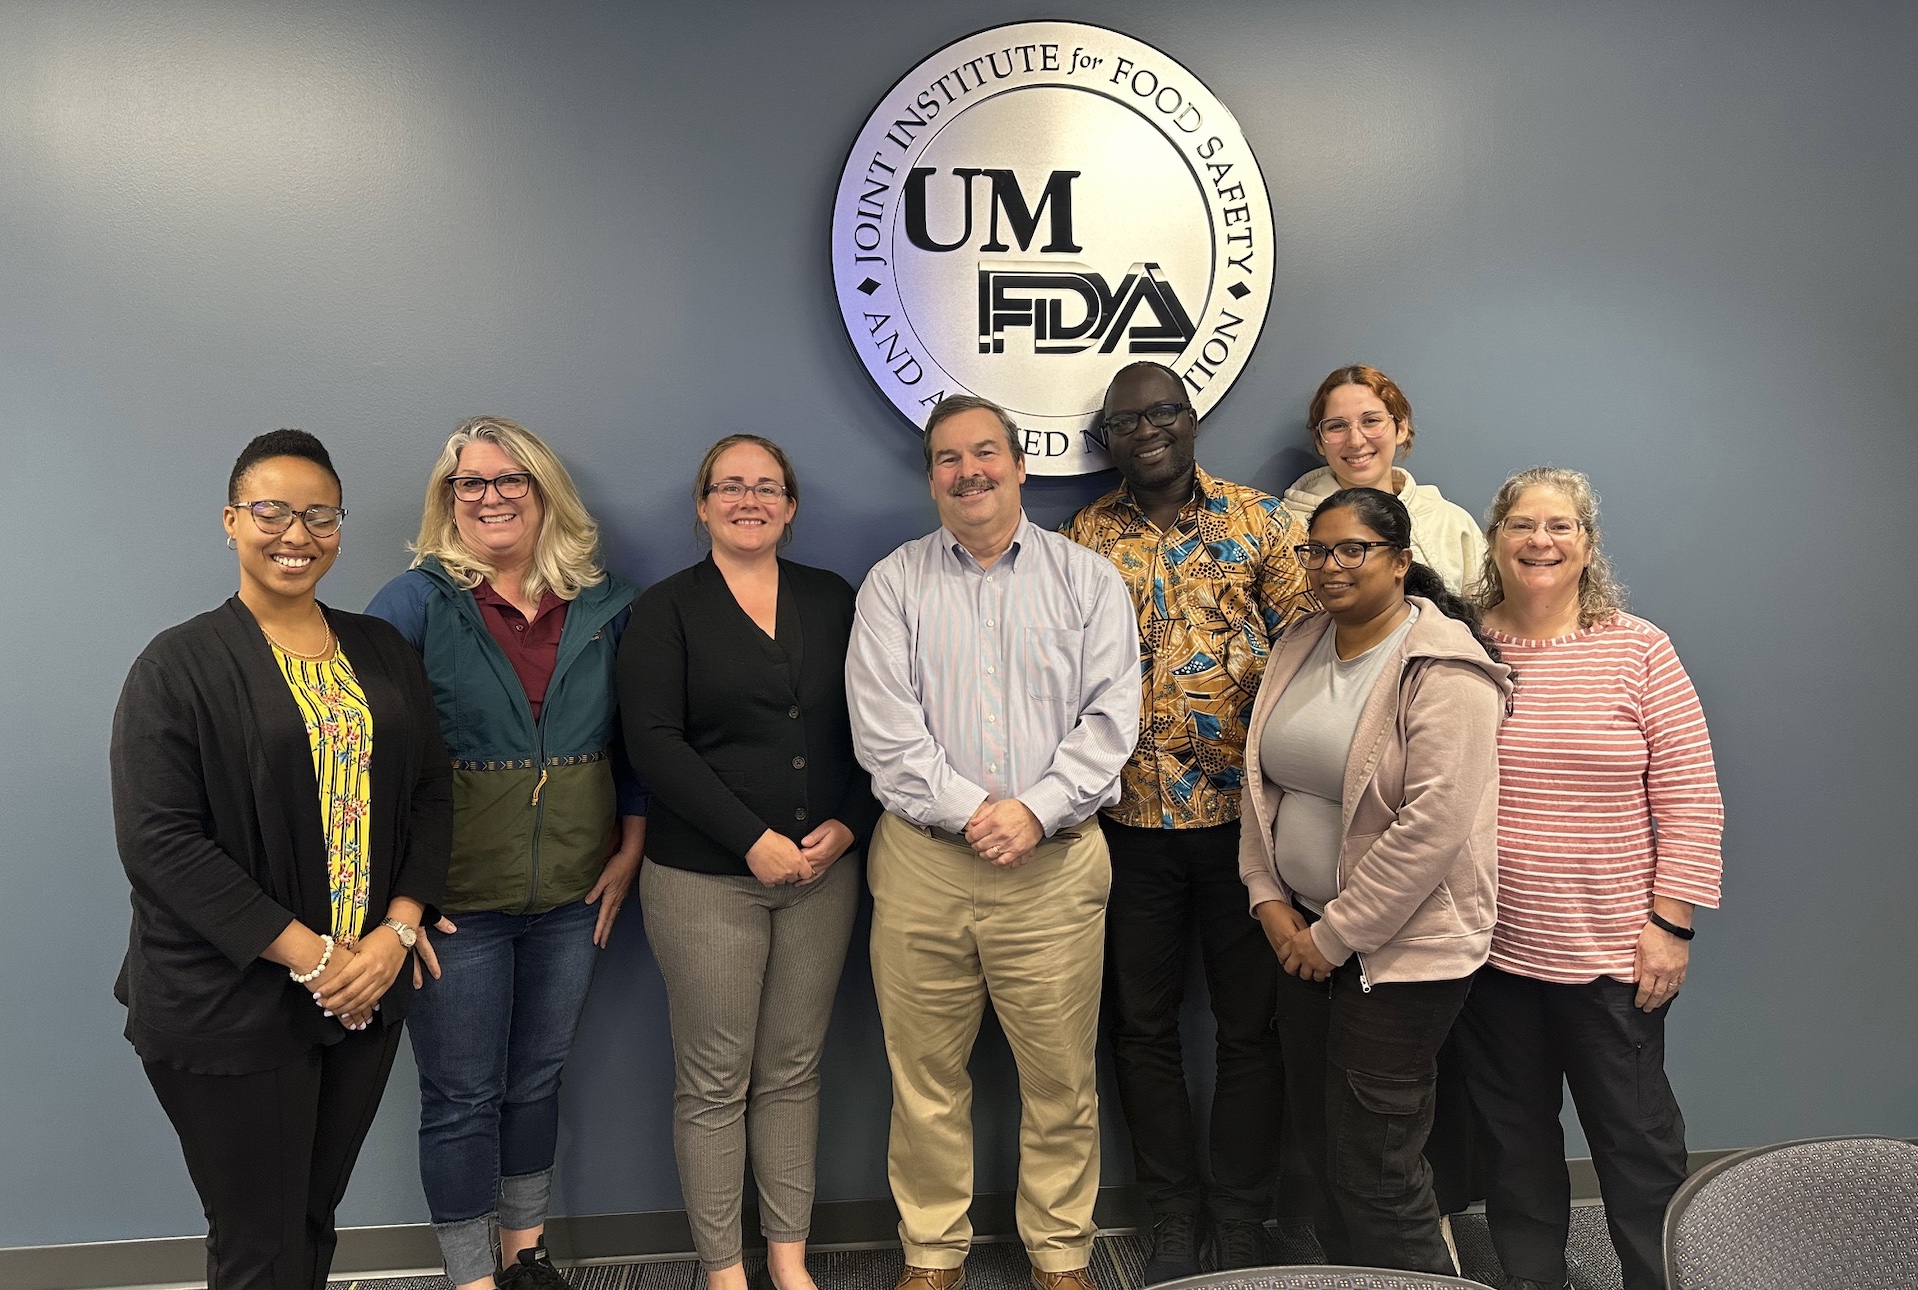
[326, 956]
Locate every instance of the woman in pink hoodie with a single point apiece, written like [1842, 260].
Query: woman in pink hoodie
[1371, 796]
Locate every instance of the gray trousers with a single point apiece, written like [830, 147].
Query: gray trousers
[750, 975]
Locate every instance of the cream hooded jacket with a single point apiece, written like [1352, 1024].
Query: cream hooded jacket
[1445, 537]
[1418, 864]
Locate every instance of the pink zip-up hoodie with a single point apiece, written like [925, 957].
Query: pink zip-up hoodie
[1418, 867]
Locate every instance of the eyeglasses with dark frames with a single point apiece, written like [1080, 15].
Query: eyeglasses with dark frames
[1347, 555]
[1162, 415]
[277, 517]
[732, 490]
[511, 486]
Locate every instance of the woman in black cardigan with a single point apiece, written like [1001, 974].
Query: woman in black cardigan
[283, 807]
[732, 688]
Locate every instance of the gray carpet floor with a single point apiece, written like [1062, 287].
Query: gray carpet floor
[1117, 1262]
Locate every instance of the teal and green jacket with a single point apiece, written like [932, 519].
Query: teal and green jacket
[535, 804]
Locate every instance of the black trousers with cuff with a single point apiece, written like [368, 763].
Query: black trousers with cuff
[1522, 1041]
[1167, 883]
[270, 1153]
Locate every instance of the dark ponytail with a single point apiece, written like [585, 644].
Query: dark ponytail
[1421, 580]
[1386, 516]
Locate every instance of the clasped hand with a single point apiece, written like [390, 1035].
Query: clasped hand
[777, 861]
[357, 976]
[1004, 832]
[1291, 940]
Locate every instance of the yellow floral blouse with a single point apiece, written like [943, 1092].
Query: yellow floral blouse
[339, 726]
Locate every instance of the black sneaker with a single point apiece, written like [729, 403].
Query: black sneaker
[1239, 1243]
[1175, 1248]
[533, 1270]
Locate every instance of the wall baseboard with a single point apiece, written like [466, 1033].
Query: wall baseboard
[179, 1262]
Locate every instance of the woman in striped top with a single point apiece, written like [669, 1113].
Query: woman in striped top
[1608, 836]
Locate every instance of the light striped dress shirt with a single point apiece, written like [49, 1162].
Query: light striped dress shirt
[1607, 796]
[1021, 680]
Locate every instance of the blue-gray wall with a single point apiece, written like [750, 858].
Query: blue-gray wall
[1670, 244]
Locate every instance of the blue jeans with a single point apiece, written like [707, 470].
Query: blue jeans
[490, 1037]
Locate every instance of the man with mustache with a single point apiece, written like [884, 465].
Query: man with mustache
[1213, 582]
[991, 683]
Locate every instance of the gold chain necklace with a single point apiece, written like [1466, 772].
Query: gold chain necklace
[326, 651]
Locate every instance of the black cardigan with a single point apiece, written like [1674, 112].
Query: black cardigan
[216, 810]
[735, 733]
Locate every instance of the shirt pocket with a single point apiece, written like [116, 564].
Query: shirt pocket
[1049, 662]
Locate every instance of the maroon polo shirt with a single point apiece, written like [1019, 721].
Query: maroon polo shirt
[531, 647]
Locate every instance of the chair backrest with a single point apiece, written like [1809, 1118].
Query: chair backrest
[1319, 1278]
[1830, 1213]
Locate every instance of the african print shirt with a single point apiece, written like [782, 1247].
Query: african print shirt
[1212, 595]
[339, 726]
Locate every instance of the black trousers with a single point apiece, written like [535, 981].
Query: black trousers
[1522, 1041]
[1166, 882]
[1361, 1073]
[270, 1154]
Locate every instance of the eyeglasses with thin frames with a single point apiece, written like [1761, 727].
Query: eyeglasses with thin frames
[277, 517]
[731, 490]
[1347, 555]
[1371, 425]
[1521, 527]
[511, 486]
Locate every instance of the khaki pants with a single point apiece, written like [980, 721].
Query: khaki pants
[949, 931]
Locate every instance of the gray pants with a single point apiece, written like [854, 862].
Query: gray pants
[750, 974]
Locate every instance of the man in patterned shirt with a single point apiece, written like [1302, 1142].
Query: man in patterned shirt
[1210, 569]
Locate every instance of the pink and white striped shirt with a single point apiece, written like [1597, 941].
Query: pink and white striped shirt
[1607, 797]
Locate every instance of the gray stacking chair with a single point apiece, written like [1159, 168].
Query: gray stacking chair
[1318, 1278]
[1821, 1214]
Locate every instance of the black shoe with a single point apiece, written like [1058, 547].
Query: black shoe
[533, 1270]
[1520, 1283]
[1239, 1243]
[1175, 1248]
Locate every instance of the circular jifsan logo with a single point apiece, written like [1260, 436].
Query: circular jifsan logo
[1036, 206]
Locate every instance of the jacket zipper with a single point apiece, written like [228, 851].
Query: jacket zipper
[1365, 982]
[539, 818]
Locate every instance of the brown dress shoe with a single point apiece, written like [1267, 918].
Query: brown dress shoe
[911, 1278]
[1076, 1279]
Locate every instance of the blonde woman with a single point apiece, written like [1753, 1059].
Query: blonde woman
[1362, 425]
[519, 628]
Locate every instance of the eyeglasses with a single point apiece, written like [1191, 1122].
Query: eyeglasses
[1347, 555]
[277, 517]
[1371, 425]
[511, 486]
[1162, 415]
[1523, 526]
[732, 490]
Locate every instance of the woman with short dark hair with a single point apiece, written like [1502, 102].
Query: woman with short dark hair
[281, 801]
